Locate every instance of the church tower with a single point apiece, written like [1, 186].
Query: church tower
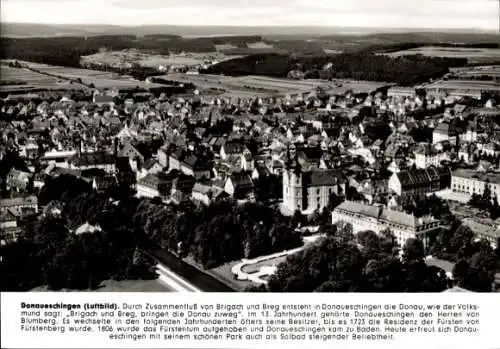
[292, 184]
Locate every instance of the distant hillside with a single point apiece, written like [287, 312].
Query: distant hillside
[297, 32]
[67, 50]
[419, 38]
[24, 30]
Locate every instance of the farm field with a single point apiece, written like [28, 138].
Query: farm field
[97, 78]
[117, 58]
[54, 77]
[473, 55]
[248, 86]
[492, 70]
[464, 85]
[22, 79]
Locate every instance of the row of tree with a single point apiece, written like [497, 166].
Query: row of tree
[213, 235]
[406, 70]
[369, 262]
[219, 233]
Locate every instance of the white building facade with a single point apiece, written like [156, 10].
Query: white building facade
[404, 226]
[472, 182]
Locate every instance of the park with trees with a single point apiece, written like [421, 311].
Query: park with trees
[52, 254]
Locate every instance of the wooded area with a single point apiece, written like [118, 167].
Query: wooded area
[408, 70]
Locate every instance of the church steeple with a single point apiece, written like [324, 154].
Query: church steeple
[288, 161]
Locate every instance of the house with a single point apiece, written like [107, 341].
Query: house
[18, 180]
[234, 148]
[485, 229]
[309, 157]
[466, 181]
[20, 206]
[151, 166]
[163, 156]
[102, 100]
[207, 194]
[308, 190]
[464, 154]
[397, 165]
[214, 143]
[399, 91]
[7, 219]
[374, 187]
[101, 184]
[459, 110]
[472, 132]
[491, 149]
[260, 171]
[128, 150]
[444, 132]
[155, 185]
[191, 165]
[29, 150]
[239, 186]
[99, 159]
[9, 231]
[417, 183]
[377, 218]
[247, 162]
[60, 158]
[426, 155]
[182, 188]
[126, 134]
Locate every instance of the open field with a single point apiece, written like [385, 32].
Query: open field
[120, 58]
[58, 78]
[23, 79]
[99, 79]
[468, 72]
[248, 86]
[465, 85]
[473, 55]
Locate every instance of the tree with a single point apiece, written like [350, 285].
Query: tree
[461, 272]
[254, 288]
[298, 219]
[64, 188]
[384, 275]
[344, 231]
[330, 260]
[413, 251]
[368, 238]
[328, 230]
[482, 272]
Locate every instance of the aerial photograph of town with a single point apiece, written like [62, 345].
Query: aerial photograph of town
[263, 146]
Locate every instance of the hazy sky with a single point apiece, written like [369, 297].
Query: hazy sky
[478, 14]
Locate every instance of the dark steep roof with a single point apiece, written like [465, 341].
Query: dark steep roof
[322, 178]
[92, 159]
[241, 180]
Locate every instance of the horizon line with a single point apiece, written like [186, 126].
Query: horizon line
[410, 29]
